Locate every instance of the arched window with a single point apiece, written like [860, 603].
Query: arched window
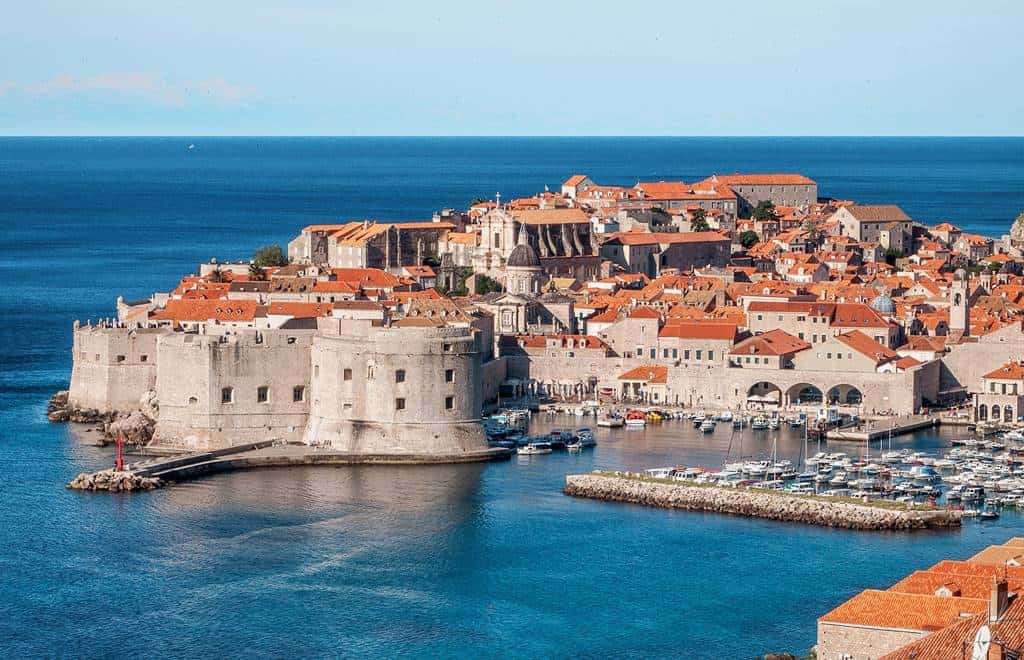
[982, 412]
[995, 413]
[227, 395]
[1008, 414]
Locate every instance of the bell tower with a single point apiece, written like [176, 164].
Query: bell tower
[959, 308]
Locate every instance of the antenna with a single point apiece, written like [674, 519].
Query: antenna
[982, 640]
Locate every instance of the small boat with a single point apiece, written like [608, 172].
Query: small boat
[707, 426]
[759, 423]
[725, 416]
[610, 421]
[988, 514]
[774, 423]
[796, 422]
[636, 418]
[535, 448]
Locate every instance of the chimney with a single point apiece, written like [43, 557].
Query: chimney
[998, 600]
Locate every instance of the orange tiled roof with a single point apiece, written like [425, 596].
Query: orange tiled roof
[890, 609]
[774, 342]
[1009, 371]
[205, 310]
[650, 238]
[867, 346]
[650, 373]
[764, 179]
[699, 330]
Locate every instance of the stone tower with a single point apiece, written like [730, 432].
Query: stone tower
[959, 307]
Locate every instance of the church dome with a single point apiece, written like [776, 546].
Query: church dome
[523, 256]
[883, 304]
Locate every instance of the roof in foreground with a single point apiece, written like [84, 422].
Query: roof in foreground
[890, 609]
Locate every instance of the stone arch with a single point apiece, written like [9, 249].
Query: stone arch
[845, 394]
[804, 394]
[982, 412]
[764, 393]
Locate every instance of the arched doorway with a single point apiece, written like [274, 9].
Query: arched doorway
[845, 395]
[764, 394]
[804, 394]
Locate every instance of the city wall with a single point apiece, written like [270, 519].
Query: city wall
[112, 366]
[209, 388]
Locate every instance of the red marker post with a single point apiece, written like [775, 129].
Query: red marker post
[120, 453]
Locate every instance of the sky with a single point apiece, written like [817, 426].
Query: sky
[559, 67]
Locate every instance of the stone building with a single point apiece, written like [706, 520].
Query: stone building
[1001, 395]
[651, 253]
[869, 223]
[112, 365]
[369, 244]
[780, 189]
[562, 239]
[410, 390]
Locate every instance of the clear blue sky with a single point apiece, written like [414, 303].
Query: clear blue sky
[254, 67]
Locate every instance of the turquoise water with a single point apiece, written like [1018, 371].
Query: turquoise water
[485, 560]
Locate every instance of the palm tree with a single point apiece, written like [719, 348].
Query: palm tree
[256, 272]
[217, 275]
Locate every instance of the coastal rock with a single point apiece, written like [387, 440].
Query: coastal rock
[1017, 230]
[136, 428]
[149, 405]
[772, 505]
[112, 481]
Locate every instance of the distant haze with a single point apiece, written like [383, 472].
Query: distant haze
[524, 68]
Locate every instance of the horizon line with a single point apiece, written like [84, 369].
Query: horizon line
[508, 136]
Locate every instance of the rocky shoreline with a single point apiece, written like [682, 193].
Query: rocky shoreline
[772, 505]
[113, 481]
[136, 426]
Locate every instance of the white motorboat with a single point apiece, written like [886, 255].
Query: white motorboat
[726, 416]
[535, 448]
[707, 426]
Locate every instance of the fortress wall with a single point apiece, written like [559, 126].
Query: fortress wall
[967, 363]
[492, 375]
[356, 390]
[196, 368]
[112, 367]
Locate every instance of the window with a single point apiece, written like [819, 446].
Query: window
[120, 358]
[298, 393]
[700, 355]
[829, 356]
[686, 355]
[400, 404]
[654, 353]
[400, 376]
[800, 335]
[447, 347]
[143, 358]
[262, 394]
[760, 317]
[992, 387]
[711, 355]
[449, 402]
[664, 353]
[839, 356]
[346, 374]
[675, 353]
[227, 395]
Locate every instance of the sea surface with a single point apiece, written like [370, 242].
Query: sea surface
[476, 560]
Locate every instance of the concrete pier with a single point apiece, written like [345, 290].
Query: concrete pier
[271, 454]
[843, 513]
[881, 428]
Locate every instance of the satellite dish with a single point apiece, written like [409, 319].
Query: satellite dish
[981, 642]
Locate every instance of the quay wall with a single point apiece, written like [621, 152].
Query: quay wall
[395, 390]
[209, 388]
[112, 366]
[755, 503]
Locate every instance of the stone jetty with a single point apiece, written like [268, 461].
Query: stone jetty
[114, 482]
[756, 503]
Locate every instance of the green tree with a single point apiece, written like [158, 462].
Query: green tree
[764, 210]
[748, 239]
[270, 256]
[256, 272]
[698, 220]
[477, 200]
[485, 285]
[810, 226]
[217, 275]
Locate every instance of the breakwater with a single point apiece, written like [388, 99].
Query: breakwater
[756, 503]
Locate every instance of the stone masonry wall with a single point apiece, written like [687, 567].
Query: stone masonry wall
[843, 642]
[112, 367]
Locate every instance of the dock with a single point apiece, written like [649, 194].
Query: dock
[163, 470]
[881, 428]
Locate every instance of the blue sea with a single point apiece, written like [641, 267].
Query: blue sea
[476, 560]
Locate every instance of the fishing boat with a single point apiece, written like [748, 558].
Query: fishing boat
[759, 423]
[635, 418]
[535, 448]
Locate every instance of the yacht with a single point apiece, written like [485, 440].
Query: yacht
[535, 448]
[610, 421]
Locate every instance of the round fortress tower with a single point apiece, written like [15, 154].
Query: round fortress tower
[396, 391]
